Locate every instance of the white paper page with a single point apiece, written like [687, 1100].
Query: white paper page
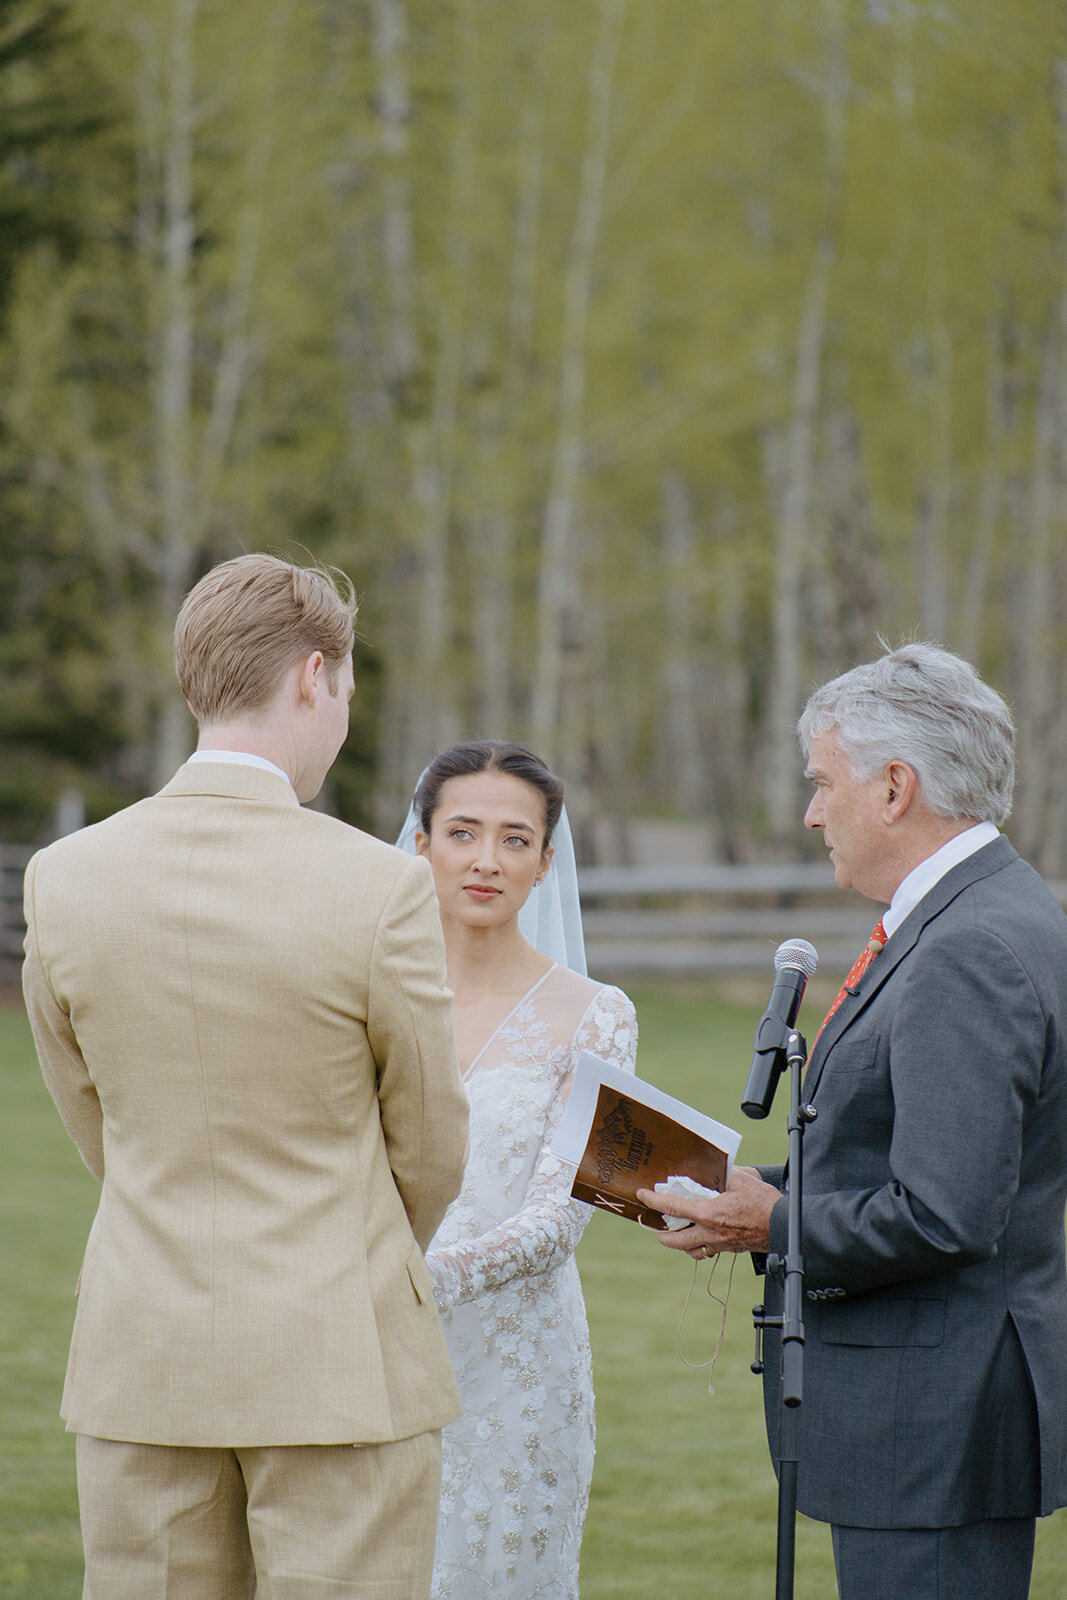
[573, 1131]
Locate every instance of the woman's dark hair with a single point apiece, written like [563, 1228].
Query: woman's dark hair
[489, 755]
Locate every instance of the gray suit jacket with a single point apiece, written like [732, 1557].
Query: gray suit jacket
[935, 1178]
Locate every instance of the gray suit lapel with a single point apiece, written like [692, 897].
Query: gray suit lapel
[991, 858]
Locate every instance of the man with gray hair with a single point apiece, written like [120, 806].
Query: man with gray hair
[934, 1427]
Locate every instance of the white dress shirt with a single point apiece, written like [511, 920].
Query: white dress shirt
[921, 879]
[239, 758]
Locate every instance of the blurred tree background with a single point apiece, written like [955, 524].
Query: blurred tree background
[640, 362]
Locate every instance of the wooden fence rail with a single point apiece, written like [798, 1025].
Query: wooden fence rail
[673, 921]
[708, 919]
[13, 859]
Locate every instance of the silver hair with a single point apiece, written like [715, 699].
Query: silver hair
[929, 708]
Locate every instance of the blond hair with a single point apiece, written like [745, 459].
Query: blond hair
[248, 621]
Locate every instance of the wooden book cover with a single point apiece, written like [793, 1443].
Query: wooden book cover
[633, 1146]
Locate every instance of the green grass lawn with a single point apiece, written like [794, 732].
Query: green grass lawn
[47, 1199]
[684, 1499]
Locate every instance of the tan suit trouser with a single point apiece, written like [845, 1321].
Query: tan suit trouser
[281, 1522]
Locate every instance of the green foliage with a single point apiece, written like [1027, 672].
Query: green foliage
[46, 106]
[59, 722]
[346, 277]
[60, 716]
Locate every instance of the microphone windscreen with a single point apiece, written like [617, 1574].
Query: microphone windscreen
[797, 953]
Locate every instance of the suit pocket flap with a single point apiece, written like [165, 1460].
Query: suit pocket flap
[854, 1053]
[419, 1273]
[865, 1321]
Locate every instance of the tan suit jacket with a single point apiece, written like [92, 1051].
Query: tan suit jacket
[240, 1012]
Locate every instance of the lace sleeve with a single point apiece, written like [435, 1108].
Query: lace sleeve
[609, 1029]
[546, 1228]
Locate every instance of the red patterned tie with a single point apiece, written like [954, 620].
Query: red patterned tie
[875, 943]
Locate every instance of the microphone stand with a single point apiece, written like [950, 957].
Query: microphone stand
[791, 1323]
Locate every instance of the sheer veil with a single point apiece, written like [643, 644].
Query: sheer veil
[551, 919]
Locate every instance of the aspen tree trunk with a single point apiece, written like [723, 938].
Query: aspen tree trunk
[189, 458]
[236, 348]
[434, 445]
[501, 436]
[829, 581]
[602, 797]
[855, 580]
[398, 241]
[583, 643]
[556, 598]
[791, 547]
[990, 505]
[684, 756]
[1053, 858]
[492, 577]
[1036, 651]
[420, 703]
[522, 302]
[794, 532]
[397, 749]
[174, 364]
[933, 517]
[726, 724]
[1039, 815]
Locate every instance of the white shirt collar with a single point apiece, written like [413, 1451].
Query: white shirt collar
[921, 879]
[239, 758]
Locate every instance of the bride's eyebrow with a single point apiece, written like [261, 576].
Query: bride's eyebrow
[511, 827]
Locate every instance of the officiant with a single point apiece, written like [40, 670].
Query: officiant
[934, 1424]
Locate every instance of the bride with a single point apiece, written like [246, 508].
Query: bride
[517, 1465]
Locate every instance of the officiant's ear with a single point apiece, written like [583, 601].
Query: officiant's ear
[422, 842]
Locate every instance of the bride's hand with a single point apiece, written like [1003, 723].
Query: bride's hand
[449, 1271]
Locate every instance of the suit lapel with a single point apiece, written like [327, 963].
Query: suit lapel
[991, 858]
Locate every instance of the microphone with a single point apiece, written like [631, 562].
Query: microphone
[794, 963]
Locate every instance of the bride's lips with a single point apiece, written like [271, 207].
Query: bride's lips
[480, 891]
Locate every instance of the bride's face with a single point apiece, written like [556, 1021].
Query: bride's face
[485, 847]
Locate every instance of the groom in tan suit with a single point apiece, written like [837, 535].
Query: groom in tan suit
[240, 1012]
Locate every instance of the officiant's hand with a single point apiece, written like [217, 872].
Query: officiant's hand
[737, 1219]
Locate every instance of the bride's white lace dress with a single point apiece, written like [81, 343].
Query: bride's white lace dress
[517, 1465]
